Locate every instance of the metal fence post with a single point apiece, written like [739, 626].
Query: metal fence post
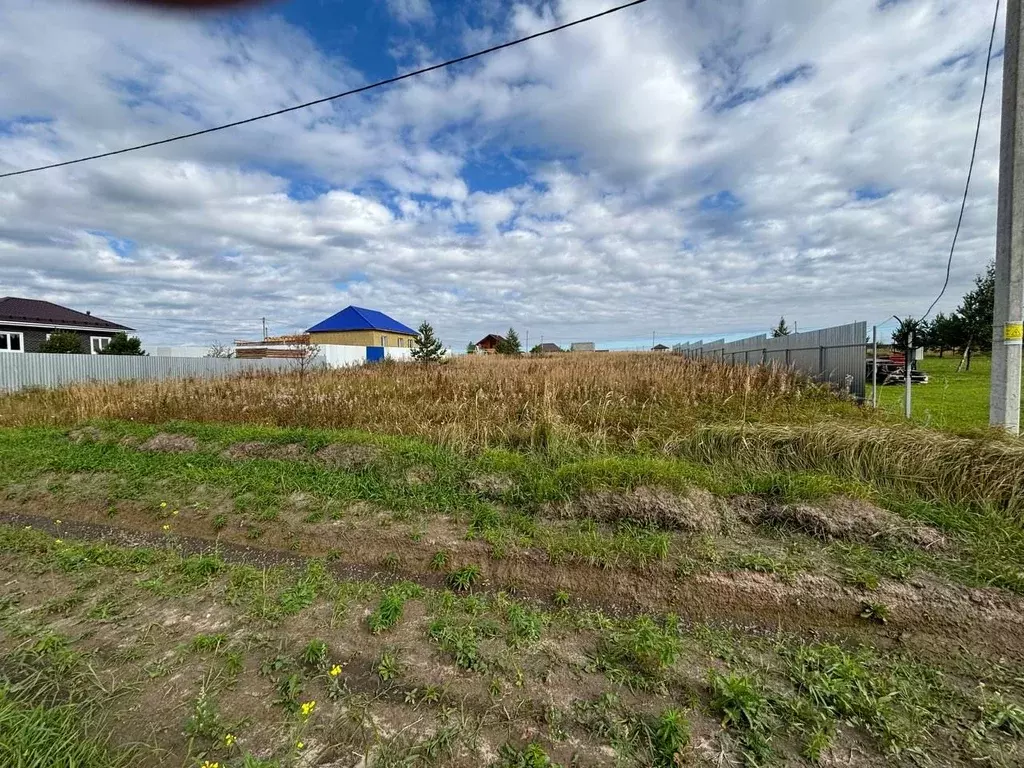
[907, 363]
[874, 366]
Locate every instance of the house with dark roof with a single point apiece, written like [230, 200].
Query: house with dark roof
[547, 348]
[360, 327]
[489, 344]
[660, 348]
[26, 323]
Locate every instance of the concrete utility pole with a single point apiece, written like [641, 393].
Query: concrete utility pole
[1004, 402]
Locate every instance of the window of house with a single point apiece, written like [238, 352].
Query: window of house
[98, 343]
[12, 341]
[383, 341]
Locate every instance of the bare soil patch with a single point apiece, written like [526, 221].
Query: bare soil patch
[349, 456]
[87, 434]
[420, 475]
[490, 486]
[842, 519]
[922, 615]
[260, 450]
[166, 442]
[696, 511]
[148, 653]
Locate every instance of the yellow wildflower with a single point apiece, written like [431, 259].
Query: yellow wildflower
[58, 541]
[163, 505]
[229, 739]
[174, 512]
[307, 708]
[28, 527]
[299, 745]
[58, 522]
[208, 764]
[166, 527]
[335, 670]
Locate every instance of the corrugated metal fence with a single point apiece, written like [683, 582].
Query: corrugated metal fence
[834, 354]
[18, 371]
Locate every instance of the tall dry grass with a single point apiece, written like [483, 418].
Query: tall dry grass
[934, 465]
[602, 400]
[758, 419]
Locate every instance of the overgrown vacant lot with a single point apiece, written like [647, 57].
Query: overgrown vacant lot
[617, 560]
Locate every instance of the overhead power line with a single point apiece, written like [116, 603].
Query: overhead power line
[970, 168]
[325, 99]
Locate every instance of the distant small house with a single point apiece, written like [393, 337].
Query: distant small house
[582, 346]
[358, 327]
[26, 323]
[489, 343]
[660, 348]
[547, 347]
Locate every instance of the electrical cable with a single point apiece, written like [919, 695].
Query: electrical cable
[325, 99]
[970, 168]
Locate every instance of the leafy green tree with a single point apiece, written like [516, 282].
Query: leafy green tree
[429, 348]
[471, 348]
[123, 344]
[901, 336]
[511, 344]
[781, 329]
[62, 343]
[974, 315]
[536, 349]
[943, 333]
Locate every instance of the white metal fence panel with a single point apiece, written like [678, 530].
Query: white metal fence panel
[835, 355]
[21, 370]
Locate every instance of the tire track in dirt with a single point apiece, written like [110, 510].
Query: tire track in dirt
[931, 617]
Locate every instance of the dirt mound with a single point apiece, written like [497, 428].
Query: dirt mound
[170, 443]
[86, 435]
[350, 456]
[696, 511]
[843, 519]
[490, 486]
[258, 450]
[420, 475]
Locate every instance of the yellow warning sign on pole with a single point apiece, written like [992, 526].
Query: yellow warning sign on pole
[1013, 332]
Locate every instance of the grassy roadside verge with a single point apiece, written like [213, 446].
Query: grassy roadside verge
[510, 501]
[433, 676]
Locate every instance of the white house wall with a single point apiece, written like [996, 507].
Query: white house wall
[344, 355]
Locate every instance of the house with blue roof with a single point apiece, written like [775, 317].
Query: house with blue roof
[360, 327]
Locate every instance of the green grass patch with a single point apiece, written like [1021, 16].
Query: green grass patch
[639, 653]
[950, 400]
[46, 737]
[392, 605]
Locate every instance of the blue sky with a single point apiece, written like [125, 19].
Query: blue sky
[685, 169]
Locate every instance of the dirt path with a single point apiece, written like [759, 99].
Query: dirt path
[930, 617]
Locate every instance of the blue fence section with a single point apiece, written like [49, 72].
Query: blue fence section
[374, 354]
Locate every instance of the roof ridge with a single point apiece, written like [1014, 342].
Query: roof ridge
[359, 311]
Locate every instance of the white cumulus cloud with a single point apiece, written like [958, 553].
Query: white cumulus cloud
[679, 168]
